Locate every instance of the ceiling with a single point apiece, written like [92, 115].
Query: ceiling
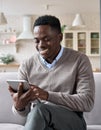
[56, 7]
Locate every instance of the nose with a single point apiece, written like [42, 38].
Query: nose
[41, 43]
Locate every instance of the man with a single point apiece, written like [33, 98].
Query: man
[61, 82]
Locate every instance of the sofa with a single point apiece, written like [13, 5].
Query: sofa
[8, 121]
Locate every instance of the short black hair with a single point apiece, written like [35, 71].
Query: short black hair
[50, 20]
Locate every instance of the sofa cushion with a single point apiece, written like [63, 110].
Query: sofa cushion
[6, 126]
[94, 127]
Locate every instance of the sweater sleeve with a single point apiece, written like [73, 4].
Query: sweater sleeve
[22, 113]
[83, 98]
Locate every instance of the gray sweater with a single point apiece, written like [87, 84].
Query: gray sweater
[70, 82]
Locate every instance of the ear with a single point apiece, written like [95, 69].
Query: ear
[60, 37]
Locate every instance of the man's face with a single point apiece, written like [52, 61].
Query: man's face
[47, 42]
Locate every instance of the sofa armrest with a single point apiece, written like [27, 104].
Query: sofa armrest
[6, 114]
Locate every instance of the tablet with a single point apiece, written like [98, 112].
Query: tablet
[15, 83]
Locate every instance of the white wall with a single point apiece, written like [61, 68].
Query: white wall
[92, 21]
[26, 48]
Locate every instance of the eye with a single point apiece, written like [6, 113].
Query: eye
[36, 40]
[46, 39]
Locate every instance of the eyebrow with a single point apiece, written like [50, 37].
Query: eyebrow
[41, 38]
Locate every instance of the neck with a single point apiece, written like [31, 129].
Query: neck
[50, 60]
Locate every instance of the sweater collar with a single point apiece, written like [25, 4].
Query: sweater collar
[50, 65]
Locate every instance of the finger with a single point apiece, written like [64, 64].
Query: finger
[11, 91]
[36, 90]
[20, 89]
[28, 93]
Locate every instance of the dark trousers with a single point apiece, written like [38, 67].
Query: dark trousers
[54, 117]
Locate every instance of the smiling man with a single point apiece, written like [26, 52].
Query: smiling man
[61, 82]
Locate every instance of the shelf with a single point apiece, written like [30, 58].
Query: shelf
[94, 38]
[94, 35]
[7, 37]
[69, 39]
[68, 35]
[10, 44]
[94, 47]
[11, 67]
[82, 47]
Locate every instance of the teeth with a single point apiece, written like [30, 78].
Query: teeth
[43, 51]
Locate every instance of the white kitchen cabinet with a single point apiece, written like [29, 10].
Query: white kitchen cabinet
[94, 43]
[83, 41]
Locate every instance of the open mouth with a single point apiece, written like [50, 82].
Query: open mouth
[42, 52]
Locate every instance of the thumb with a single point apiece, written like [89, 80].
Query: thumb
[20, 89]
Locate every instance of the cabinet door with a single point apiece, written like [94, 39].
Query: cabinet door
[94, 43]
[81, 43]
[68, 40]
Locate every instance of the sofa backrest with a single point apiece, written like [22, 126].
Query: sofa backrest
[6, 115]
[94, 117]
